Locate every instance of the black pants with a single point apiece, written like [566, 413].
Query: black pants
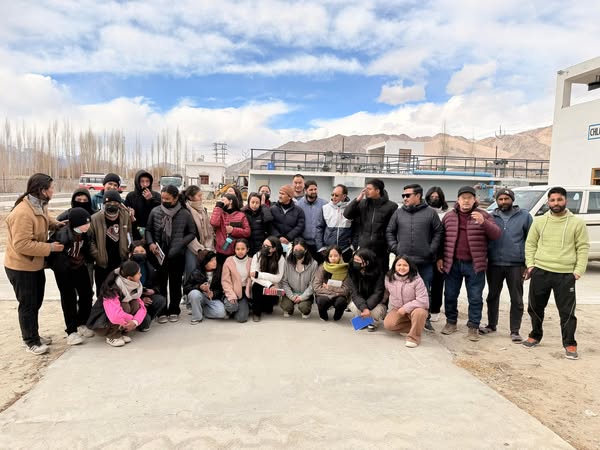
[339, 304]
[262, 303]
[152, 310]
[563, 286]
[514, 280]
[75, 296]
[437, 291]
[100, 274]
[171, 274]
[29, 290]
[312, 249]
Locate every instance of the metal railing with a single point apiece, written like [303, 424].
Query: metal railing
[316, 161]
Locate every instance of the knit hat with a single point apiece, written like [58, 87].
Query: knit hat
[505, 191]
[467, 190]
[78, 217]
[288, 190]
[204, 256]
[112, 196]
[377, 184]
[112, 177]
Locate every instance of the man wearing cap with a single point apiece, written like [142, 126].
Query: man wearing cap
[288, 218]
[111, 182]
[372, 211]
[468, 230]
[71, 274]
[110, 235]
[507, 262]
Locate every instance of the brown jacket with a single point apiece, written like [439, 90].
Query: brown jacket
[27, 237]
[231, 280]
[330, 291]
[97, 233]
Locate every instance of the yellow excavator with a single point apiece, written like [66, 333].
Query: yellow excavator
[240, 182]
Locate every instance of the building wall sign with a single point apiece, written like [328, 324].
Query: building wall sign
[594, 132]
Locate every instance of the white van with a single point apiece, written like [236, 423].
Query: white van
[581, 200]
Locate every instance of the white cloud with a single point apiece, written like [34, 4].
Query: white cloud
[397, 93]
[467, 77]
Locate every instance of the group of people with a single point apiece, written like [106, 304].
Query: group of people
[146, 253]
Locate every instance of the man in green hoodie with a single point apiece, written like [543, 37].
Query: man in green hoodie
[556, 255]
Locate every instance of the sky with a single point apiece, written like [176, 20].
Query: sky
[257, 74]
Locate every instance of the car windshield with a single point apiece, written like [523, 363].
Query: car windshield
[175, 181]
[523, 199]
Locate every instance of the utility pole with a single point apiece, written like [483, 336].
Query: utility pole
[499, 136]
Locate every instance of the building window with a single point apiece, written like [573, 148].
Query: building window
[204, 179]
[596, 177]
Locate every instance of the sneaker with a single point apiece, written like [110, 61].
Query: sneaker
[305, 316]
[37, 349]
[571, 352]
[371, 328]
[286, 314]
[162, 319]
[118, 342]
[174, 318]
[195, 321]
[126, 339]
[410, 344]
[473, 334]
[449, 328]
[84, 331]
[74, 339]
[429, 327]
[435, 317]
[516, 338]
[255, 318]
[530, 342]
[487, 329]
[45, 340]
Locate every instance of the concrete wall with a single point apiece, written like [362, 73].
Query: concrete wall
[215, 171]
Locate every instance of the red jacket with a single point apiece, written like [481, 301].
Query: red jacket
[477, 236]
[220, 219]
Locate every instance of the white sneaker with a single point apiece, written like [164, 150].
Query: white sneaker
[286, 314]
[45, 340]
[411, 344]
[37, 349]
[173, 318]
[118, 342]
[435, 317]
[74, 339]
[84, 331]
[126, 339]
[305, 316]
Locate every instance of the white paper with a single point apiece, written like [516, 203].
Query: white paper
[334, 283]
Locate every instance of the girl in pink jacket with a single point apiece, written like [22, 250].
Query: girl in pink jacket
[408, 301]
[236, 282]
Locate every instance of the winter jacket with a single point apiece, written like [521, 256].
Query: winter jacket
[26, 245]
[367, 288]
[478, 237]
[333, 228]
[322, 276]
[149, 278]
[97, 233]
[267, 279]
[312, 214]
[81, 191]
[407, 294]
[231, 280]
[288, 222]
[260, 227]
[415, 232]
[106, 311]
[220, 219]
[509, 249]
[136, 200]
[98, 200]
[64, 261]
[371, 218]
[183, 231]
[199, 277]
[558, 243]
[299, 283]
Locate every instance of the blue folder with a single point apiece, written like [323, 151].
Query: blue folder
[359, 323]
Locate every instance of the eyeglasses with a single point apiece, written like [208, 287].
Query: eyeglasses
[408, 195]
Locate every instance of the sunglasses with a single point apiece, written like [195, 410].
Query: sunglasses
[408, 195]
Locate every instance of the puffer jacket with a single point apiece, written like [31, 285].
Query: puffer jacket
[312, 214]
[333, 228]
[75, 245]
[287, 222]
[135, 200]
[183, 231]
[478, 237]
[260, 226]
[407, 294]
[372, 218]
[81, 191]
[415, 232]
[509, 249]
[199, 277]
[220, 219]
[367, 288]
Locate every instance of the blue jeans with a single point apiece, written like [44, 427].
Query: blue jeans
[475, 281]
[202, 306]
[191, 262]
[238, 310]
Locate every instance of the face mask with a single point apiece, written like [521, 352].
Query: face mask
[139, 258]
[356, 265]
[111, 209]
[265, 251]
[435, 203]
[168, 205]
[267, 195]
[83, 205]
[299, 254]
[78, 230]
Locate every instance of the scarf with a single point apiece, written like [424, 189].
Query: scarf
[167, 222]
[131, 290]
[337, 271]
[37, 203]
[205, 230]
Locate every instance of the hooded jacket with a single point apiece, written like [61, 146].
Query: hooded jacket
[407, 294]
[136, 200]
[220, 219]
[509, 249]
[75, 253]
[81, 191]
[558, 243]
[415, 232]
[288, 222]
[299, 283]
[371, 218]
[333, 228]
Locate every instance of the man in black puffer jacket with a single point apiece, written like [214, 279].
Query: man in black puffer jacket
[372, 211]
[142, 200]
[288, 219]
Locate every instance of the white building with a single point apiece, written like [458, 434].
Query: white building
[404, 150]
[575, 153]
[207, 175]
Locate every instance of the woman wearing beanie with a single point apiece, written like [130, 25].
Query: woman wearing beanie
[27, 225]
[110, 235]
[332, 284]
[169, 230]
[229, 223]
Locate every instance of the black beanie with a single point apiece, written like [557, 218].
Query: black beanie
[78, 217]
[112, 196]
[112, 177]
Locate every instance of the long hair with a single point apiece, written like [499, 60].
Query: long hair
[35, 185]
[337, 249]
[173, 192]
[412, 268]
[109, 288]
[270, 264]
[238, 194]
[307, 256]
[235, 203]
[190, 191]
[252, 195]
[370, 259]
[440, 193]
